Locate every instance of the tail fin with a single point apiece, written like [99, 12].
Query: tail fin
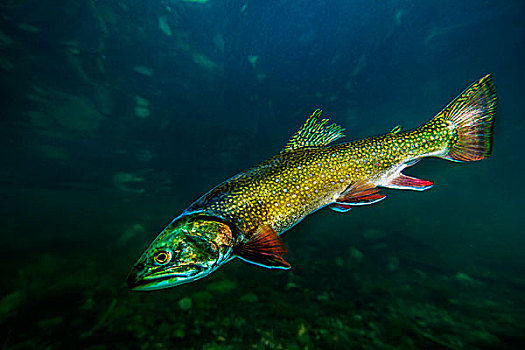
[471, 115]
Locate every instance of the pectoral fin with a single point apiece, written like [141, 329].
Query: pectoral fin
[265, 249]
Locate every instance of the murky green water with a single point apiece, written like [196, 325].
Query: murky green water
[117, 115]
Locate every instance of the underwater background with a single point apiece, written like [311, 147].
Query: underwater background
[116, 115]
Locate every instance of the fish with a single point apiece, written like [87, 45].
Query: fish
[244, 216]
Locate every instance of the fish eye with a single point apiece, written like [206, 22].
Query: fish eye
[162, 257]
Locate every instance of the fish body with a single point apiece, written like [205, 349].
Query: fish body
[244, 216]
[294, 183]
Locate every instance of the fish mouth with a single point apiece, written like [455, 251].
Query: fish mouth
[139, 281]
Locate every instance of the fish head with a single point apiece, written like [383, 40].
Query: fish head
[190, 248]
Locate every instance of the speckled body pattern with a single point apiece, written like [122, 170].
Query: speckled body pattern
[284, 189]
[299, 180]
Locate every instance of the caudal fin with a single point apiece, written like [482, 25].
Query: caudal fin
[471, 117]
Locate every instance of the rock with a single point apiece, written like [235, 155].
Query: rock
[142, 107]
[325, 297]
[127, 182]
[50, 322]
[144, 155]
[61, 114]
[179, 333]
[253, 60]
[460, 276]
[164, 26]
[239, 322]
[223, 286]
[9, 303]
[185, 304]
[204, 61]
[5, 40]
[393, 264]
[103, 99]
[202, 298]
[291, 285]
[373, 233]
[356, 254]
[141, 101]
[465, 280]
[88, 305]
[142, 112]
[52, 152]
[5, 64]
[218, 42]
[249, 298]
[302, 334]
[130, 232]
[28, 28]
[143, 70]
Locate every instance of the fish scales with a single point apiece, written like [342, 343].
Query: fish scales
[244, 216]
[290, 185]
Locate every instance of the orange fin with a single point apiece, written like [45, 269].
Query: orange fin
[265, 249]
[358, 193]
[472, 116]
[404, 182]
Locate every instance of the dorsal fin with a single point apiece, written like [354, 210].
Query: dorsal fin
[314, 133]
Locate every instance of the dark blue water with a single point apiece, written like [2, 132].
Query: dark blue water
[116, 115]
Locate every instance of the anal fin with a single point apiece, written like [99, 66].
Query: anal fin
[265, 249]
[404, 182]
[358, 193]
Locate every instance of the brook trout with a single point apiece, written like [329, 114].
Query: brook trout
[244, 216]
